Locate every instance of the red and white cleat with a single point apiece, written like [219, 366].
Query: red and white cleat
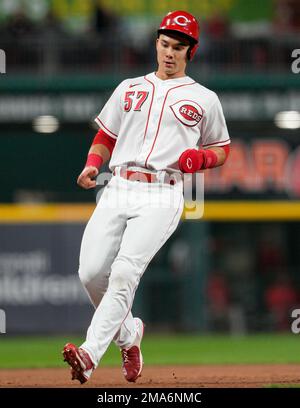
[80, 362]
[132, 357]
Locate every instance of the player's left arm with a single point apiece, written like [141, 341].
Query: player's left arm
[192, 160]
[221, 153]
[214, 138]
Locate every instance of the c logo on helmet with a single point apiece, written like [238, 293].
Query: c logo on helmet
[181, 23]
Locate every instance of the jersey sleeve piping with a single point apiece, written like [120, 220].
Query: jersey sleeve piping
[105, 129]
[219, 143]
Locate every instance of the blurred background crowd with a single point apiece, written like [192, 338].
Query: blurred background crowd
[237, 270]
[102, 35]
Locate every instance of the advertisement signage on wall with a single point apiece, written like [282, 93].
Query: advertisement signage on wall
[40, 290]
[83, 107]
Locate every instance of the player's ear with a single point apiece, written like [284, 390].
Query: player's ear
[156, 44]
[188, 54]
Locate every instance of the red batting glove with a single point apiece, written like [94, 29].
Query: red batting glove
[191, 160]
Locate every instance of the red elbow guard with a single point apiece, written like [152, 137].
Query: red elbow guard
[226, 149]
[104, 139]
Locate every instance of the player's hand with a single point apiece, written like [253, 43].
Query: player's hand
[87, 177]
[191, 160]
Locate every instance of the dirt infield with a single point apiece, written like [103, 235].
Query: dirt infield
[216, 376]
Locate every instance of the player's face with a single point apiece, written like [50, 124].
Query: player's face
[171, 57]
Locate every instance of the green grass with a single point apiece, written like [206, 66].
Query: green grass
[282, 386]
[26, 352]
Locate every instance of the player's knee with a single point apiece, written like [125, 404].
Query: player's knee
[124, 275]
[83, 276]
[121, 280]
[87, 273]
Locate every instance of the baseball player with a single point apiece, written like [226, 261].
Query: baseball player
[153, 129]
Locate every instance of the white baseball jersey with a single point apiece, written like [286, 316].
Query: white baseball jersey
[155, 120]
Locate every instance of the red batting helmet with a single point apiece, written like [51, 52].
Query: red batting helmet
[184, 23]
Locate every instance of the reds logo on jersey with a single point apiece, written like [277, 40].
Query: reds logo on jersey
[187, 112]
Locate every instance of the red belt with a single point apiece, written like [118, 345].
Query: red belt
[134, 175]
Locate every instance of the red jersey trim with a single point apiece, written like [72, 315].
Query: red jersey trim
[147, 123]
[222, 142]
[101, 124]
[161, 113]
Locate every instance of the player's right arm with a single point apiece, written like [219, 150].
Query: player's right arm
[109, 121]
[99, 153]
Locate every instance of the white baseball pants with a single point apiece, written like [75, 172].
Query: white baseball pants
[131, 222]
